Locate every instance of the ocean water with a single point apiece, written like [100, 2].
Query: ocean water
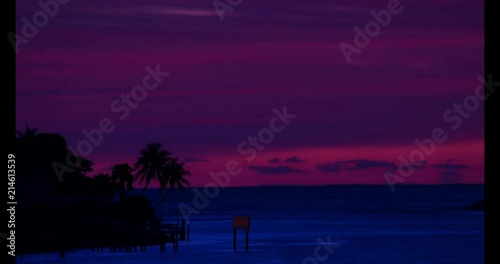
[358, 224]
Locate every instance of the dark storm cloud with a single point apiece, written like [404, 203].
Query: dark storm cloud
[275, 160]
[294, 159]
[357, 164]
[275, 170]
[329, 167]
[451, 165]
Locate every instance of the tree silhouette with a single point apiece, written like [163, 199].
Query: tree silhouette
[84, 166]
[82, 204]
[28, 134]
[173, 176]
[122, 176]
[78, 181]
[103, 187]
[151, 163]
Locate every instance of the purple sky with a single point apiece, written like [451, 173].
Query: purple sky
[353, 120]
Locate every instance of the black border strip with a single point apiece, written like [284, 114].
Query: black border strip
[492, 44]
[9, 119]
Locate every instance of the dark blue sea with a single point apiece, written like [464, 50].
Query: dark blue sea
[417, 224]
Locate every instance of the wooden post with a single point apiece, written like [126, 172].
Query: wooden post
[234, 239]
[183, 230]
[177, 242]
[247, 240]
[242, 222]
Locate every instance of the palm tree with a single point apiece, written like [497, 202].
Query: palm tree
[122, 176]
[29, 133]
[103, 187]
[173, 176]
[150, 164]
[84, 166]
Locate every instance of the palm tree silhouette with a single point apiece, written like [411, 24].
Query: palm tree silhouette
[84, 166]
[151, 163]
[28, 133]
[173, 176]
[103, 187]
[122, 176]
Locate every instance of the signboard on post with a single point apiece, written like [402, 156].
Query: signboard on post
[241, 222]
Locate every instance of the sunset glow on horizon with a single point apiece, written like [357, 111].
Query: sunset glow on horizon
[353, 121]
